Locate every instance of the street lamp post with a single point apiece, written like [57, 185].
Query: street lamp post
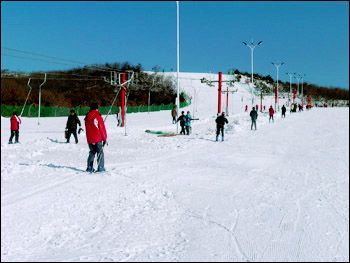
[252, 46]
[298, 77]
[277, 65]
[290, 86]
[178, 63]
[302, 90]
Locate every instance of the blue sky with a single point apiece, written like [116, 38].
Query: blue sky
[312, 38]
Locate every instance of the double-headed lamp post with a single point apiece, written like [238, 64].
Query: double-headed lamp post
[290, 86]
[252, 46]
[178, 61]
[277, 65]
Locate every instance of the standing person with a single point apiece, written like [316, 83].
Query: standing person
[246, 108]
[188, 119]
[284, 111]
[253, 115]
[182, 122]
[174, 114]
[15, 121]
[220, 124]
[271, 112]
[96, 136]
[71, 126]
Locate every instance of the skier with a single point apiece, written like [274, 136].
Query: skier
[284, 111]
[220, 124]
[96, 136]
[246, 108]
[188, 119]
[182, 122]
[15, 121]
[253, 115]
[174, 114]
[71, 126]
[271, 112]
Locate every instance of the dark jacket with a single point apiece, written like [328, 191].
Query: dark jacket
[283, 109]
[182, 120]
[254, 115]
[221, 120]
[72, 122]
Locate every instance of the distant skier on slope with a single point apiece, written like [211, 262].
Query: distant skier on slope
[284, 111]
[182, 122]
[71, 126]
[220, 124]
[96, 136]
[271, 112]
[174, 114]
[15, 121]
[253, 115]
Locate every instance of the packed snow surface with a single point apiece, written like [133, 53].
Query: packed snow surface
[280, 193]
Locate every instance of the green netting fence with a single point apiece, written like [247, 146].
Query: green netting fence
[32, 110]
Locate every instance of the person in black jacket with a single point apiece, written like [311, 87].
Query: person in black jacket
[284, 111]
[220, 123]
[71, 126]
[182, 122]
[253, 115]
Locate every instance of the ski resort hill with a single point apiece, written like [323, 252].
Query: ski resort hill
[280, 193]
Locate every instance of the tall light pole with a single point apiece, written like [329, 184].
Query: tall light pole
[277, 65]
[290, 86]
[177, 63]
[302, 90]
[297, 76]
[252, 46]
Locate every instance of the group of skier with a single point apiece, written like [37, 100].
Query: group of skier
[96, 134]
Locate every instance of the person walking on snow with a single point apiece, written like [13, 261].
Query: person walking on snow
[71, 126]
[284, 111]
[182, 122]
[96, 136]
[15, 121]
[220, 124]
[253, 115]
[271, 112]
[188, 119]
[174, 114]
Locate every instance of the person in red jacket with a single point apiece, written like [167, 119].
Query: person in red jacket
[15, 122]
[96, 136]
[271, 112]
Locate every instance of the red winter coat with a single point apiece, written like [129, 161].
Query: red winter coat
[15, 122]
[95, 127]
[271, 111]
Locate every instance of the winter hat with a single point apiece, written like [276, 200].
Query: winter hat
[94, 106]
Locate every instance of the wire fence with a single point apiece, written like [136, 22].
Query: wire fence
[32, 109]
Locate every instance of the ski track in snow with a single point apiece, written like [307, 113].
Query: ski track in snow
[276, 194]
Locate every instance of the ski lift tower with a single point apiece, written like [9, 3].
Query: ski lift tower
[220, 81]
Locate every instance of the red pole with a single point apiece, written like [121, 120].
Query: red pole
[219, 92]
[122, 104]
[294, 94]
[227, 101]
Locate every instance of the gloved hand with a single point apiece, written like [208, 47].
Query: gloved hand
[104, 143]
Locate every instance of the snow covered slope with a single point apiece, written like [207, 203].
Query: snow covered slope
[280, 193]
